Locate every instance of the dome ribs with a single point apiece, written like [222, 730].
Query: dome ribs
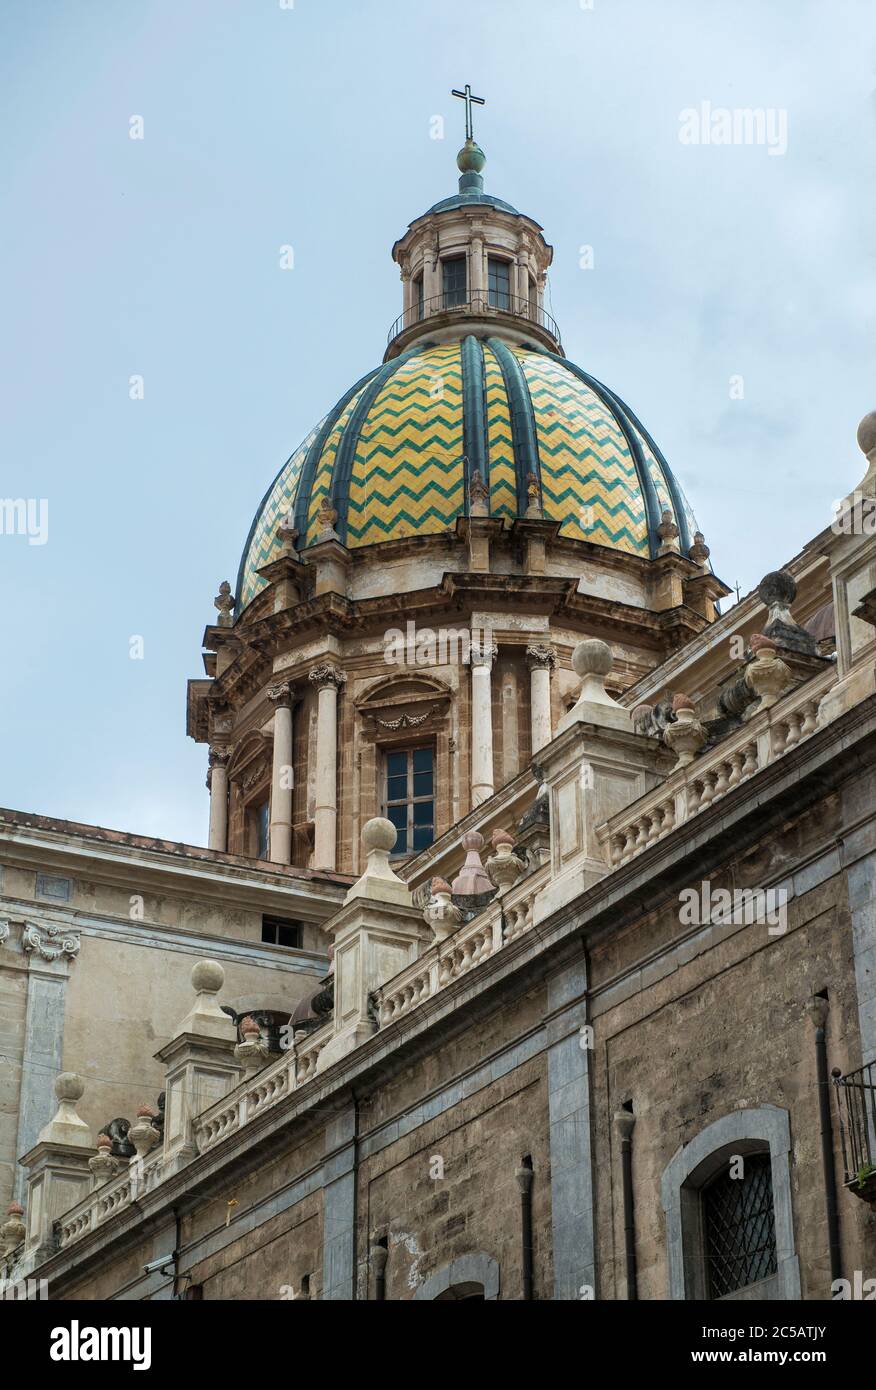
[523, 431]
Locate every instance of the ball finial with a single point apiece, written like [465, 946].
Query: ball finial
[471, 158]
[867, 433]
[208, 977]
[592, 657]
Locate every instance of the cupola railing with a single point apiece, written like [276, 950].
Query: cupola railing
[478, 304]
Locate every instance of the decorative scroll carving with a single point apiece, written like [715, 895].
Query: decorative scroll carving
[538, 655]
[327, 675]
[50, 943]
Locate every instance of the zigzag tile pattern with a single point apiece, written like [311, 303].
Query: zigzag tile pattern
[263, 545]
[407, 473]
[500, 445]
[322, 478]
[588, 475]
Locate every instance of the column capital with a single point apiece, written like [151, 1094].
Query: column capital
[482, 654]
[281, 695]
[219, 756]
[327, 674]
[541, 656]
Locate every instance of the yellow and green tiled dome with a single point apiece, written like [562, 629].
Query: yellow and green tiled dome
[395, 455]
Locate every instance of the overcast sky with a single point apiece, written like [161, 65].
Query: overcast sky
[268, 125]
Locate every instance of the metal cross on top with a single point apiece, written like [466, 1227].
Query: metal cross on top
[467, 97]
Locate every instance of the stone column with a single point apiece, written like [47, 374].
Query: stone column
[328, 680]
[217, 781]
[481, 659]
[541, 660]
[280, 849]
[477, 277]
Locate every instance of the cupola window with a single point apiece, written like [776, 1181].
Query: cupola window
[499, 282]
[454, 281]
[418, 299]
[409, 801]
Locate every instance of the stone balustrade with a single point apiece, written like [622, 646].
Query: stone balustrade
[471, 944]
[136, 1179]
[691, 789]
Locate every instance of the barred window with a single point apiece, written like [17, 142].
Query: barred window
[499, 282]
[454, 281]
[739, 1227]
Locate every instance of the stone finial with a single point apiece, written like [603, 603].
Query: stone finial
[252, 1052]
[13, 1230]
[472, 878]
[533, 499]
[503, 866]
[867, 445]
[206, 1018]
[440, 913]
[592, 661]
[143, 1134]
[327, 516]
[67, 1127]
[478, 495]
[699, 551]
[224, 601]
[379, 882]
[685, 736]
[668, 533]
[103, 1165]
[777, 590]
[287, 533]
[767, 676]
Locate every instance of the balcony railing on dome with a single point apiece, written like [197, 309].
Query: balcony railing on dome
[482, 304]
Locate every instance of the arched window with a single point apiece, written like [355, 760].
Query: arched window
[727, 1199]
[474, 1277]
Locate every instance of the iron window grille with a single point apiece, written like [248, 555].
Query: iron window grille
[739, 1227]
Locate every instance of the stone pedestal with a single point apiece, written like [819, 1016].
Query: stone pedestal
[593, 768]
[58, 1169]
[200, 1062]
[376, 933]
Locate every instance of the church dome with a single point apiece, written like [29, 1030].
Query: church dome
[394, 457]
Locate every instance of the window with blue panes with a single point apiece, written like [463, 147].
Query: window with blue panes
[453, 281]
[499, 282]
[409, 797]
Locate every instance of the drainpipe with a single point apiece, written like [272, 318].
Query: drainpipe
[524, 1181]
[817, 1009]
[624, 1121]
[379, 1256]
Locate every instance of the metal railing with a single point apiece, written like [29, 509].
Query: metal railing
[856, 1101]
[480, 304]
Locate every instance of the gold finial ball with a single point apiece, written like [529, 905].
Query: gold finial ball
[471, 158]
[867, 433]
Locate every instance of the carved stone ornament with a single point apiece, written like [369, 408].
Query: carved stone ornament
[224, 601]
[478, 494]
[326, 675]
[4, 930]
[538, 655]
[406, 721]
[50, 943]
[280, 694]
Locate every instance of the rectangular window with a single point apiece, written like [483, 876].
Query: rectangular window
[454, 281]
[533, 300]
[499, 282]
[418, 299]
[279, 931]
[263, 821]
[409, 799]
